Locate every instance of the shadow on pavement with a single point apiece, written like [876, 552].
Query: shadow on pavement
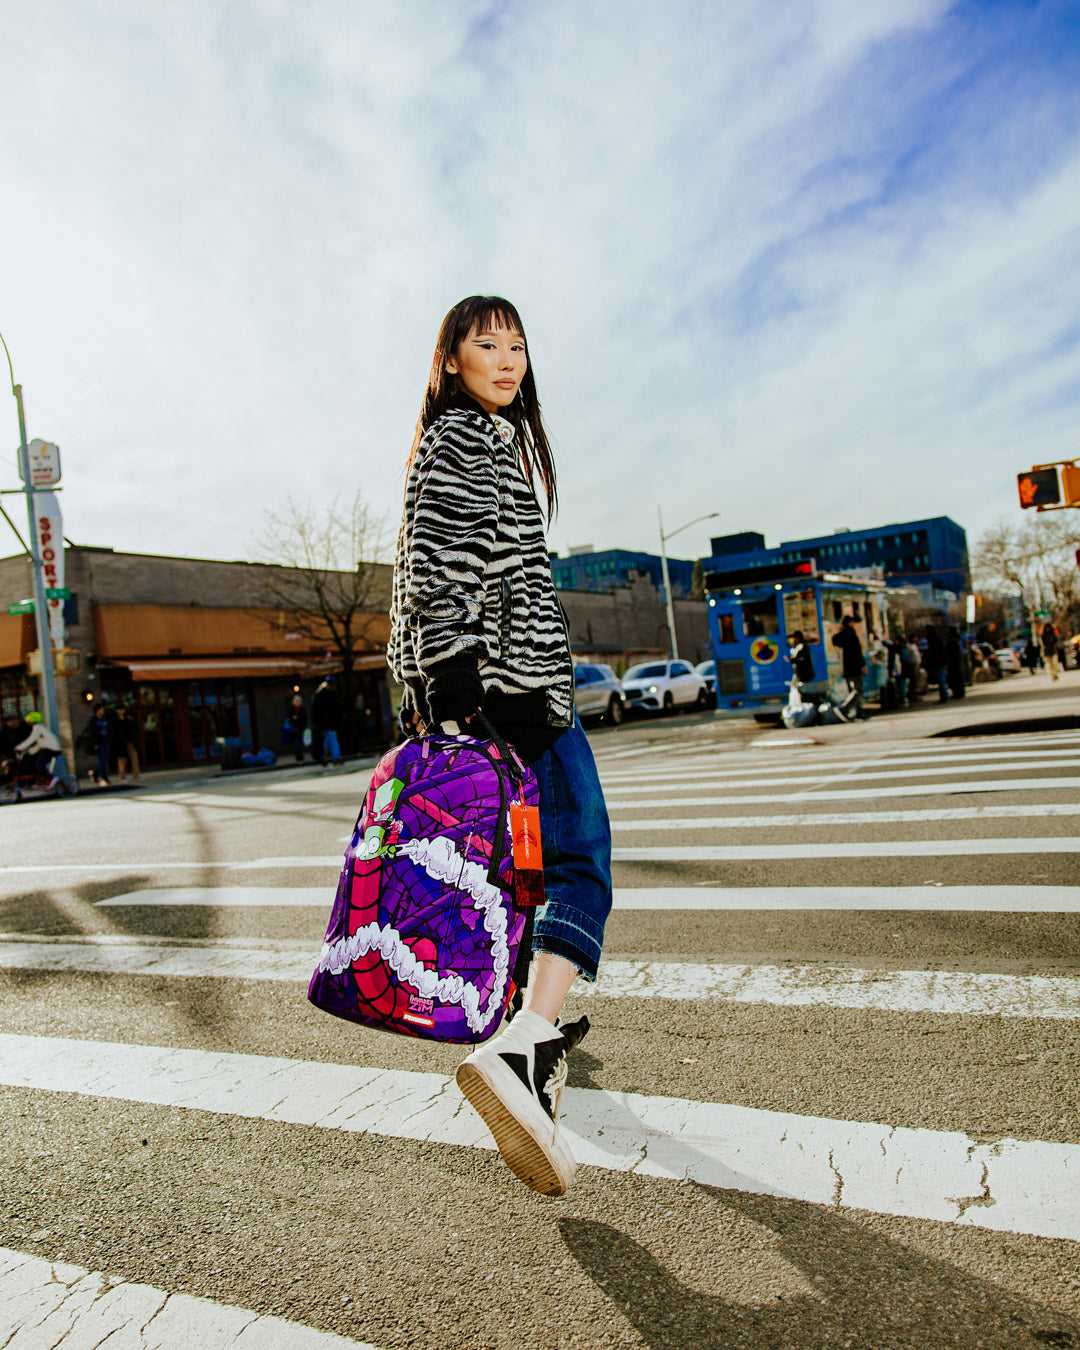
[869, 1289]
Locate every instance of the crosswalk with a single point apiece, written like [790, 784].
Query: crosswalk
[865, 994]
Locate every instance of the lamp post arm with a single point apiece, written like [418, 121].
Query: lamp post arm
[711, 515]
[664, 568]
[41, 611]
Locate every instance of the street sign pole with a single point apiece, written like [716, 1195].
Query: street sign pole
[41, 608]
[673, 640]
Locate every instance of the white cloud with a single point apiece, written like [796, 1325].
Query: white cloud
[779, 269]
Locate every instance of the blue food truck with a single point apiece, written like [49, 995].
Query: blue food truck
[754, 611]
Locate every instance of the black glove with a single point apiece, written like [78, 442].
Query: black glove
[455, 691]
[406, 718]
[531, 740]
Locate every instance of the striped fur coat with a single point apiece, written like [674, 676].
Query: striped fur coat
[472, 574]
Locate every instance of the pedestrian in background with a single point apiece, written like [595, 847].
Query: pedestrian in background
[126, 735]
[296, 723]
[476, 626]
[1031, 654]
[1050, 650]
[801, 658]
[954, 664]
[324, 723]
[934, 661]
[898, 669]
[96, 739]
[914, 665]
[852, 664]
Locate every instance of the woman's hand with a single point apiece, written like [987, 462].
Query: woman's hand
[455, 694]
[410, 722]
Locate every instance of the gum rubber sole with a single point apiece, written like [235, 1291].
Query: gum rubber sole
[524, 1156]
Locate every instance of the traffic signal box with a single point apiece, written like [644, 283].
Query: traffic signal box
[1043, 489]
[1038, 487]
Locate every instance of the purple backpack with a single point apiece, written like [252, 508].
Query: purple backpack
[424, 934]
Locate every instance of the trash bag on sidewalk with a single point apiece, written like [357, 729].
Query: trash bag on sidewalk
[796, 713]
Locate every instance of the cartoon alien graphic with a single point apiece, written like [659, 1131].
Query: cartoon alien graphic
[382, 831]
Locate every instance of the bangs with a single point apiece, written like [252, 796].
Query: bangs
[498, 316]
[485, 313]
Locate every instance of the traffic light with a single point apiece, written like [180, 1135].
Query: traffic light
[1070, 484]
[1039, 487]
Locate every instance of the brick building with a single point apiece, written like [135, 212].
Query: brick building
[197, 649]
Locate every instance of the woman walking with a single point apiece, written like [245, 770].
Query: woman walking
[296, 722]
[127, 749]
[96, 738]
[476, 625]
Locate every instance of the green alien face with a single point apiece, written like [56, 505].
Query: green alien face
[386, 795]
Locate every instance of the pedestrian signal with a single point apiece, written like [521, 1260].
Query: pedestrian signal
[1038, 487]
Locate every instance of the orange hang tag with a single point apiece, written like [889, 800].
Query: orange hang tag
[528, 865]
[525, 831]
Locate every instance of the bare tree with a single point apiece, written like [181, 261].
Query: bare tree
[1036, 558]
[332, 584]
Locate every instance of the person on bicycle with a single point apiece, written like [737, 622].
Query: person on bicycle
[40, 747]
[12, 732]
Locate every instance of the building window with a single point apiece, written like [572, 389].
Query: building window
[18, 692]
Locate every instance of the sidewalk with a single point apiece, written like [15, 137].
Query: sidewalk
[199, 775]
[1005, 705]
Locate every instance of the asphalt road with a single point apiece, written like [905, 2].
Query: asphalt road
[829, 1097]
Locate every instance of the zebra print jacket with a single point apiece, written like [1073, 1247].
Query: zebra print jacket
[472, 574]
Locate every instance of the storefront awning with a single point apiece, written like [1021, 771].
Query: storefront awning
[16, 638]
[255, 667]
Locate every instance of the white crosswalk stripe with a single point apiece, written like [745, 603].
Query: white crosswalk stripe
[928, 899]
[911, 991]
[866, 768]
[53, 1303]
[671, 795]
[876, 848]
[920, 1173]
[1016, 899]
[869, 819]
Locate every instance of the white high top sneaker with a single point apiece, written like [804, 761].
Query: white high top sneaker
[515, 1081]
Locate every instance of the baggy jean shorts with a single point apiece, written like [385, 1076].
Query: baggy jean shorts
[576, 850]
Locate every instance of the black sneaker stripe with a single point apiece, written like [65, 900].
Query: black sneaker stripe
[520, 1066]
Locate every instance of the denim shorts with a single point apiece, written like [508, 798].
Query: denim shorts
[576, 841]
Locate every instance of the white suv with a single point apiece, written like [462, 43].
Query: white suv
[663, 686]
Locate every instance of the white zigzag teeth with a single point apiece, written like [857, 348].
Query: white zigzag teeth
[442, 862]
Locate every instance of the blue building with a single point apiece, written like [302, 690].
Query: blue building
[586, 570]
[928, 555]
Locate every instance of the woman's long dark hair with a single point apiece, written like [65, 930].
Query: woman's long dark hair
[445, 391]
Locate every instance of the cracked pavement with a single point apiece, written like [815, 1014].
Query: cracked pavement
[756, 1171]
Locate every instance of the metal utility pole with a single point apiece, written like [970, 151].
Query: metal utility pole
[41, 610]
[664, 569]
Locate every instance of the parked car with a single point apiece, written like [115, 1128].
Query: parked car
[663, 686]
[598, 693]
[707, 671]
[1009, 661]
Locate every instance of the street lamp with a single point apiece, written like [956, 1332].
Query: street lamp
[664, 567]
[41, 609]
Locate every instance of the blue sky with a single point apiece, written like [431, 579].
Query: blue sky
[808, 264]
